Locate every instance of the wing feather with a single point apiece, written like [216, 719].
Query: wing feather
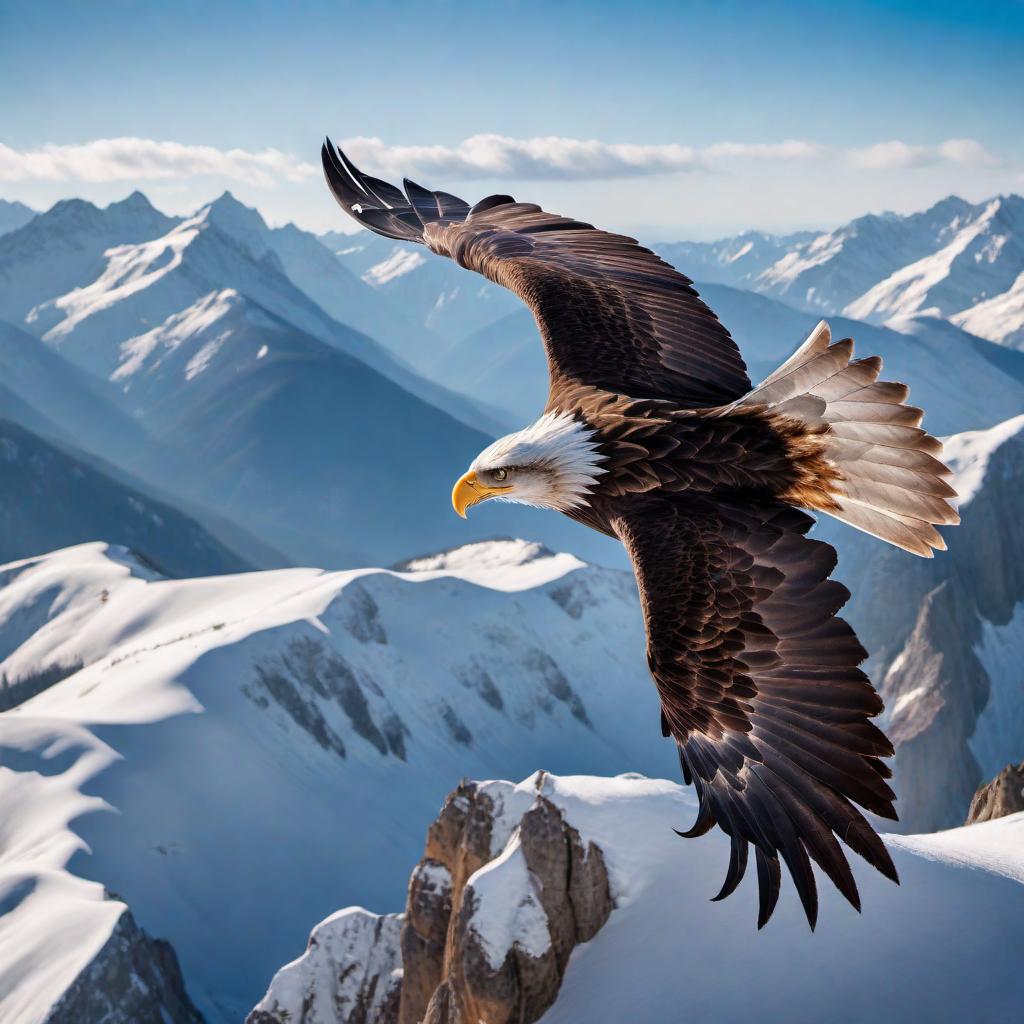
[760, 687]
[612, 314]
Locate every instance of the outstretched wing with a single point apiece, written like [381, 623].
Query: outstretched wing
[611, 313]
[760, 688]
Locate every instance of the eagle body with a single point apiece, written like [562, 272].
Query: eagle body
[654, 434]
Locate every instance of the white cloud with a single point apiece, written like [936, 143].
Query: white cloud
[898, 155]
[790, 149]
[554, 157]
[128, 159]
[965, 151]
[478, 157]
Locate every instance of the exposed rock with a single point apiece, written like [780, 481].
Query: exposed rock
[133, 979]
[475, 677]
[524, 892]
[304, 713]
[350, 972]
[1003, 795]
[457, 729]
[361, 615]
[307, 670]
[556, 683]
[425, 932]
[939, 687]
[505, 891]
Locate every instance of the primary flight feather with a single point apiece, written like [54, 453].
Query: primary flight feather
[653, 434]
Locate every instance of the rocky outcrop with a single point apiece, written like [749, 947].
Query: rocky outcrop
[351, 971]
[133, 979]
[492, 945]
[1003, 795]
[506, 889]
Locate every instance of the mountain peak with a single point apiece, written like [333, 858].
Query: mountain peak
[228, 198]
[240, 222]
[228, 204]
[135, 201]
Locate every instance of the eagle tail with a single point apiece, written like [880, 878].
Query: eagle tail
[871, 465]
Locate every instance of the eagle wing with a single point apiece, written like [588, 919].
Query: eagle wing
[612, 314]
[760, 687]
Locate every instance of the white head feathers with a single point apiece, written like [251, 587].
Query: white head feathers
[556, 461]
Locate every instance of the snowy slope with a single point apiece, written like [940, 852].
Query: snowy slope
[956, 260]
[909, 957]
[941, 947]
[273, 745]
[829, 271]
[1000, 318]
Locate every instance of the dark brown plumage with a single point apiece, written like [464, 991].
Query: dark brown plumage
[758, 677]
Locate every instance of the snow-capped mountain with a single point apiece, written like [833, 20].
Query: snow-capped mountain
[491, 920]
[304, 445]
[738, 260]
[89, 280]
[256, 402]
[63, 249]
[980, 256]
[831, 270]
[957, 261]
[14, 215]
[326, 280]
[274, 744]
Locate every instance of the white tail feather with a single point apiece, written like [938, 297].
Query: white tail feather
[890, 482]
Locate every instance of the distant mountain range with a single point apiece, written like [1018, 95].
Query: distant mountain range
[958, 261]
[184, 352]
[956, 265]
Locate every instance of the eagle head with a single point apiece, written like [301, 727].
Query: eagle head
[553, 463]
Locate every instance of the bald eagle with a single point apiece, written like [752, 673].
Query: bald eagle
[653, 434]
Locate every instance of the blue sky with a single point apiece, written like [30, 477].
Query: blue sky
[732, 114]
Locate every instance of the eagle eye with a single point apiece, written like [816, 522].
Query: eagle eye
[500, 474]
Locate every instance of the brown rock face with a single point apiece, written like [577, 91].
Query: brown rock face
[1003, 795]
[557, 889]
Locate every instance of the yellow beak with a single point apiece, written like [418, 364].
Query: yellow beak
[469, 491]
